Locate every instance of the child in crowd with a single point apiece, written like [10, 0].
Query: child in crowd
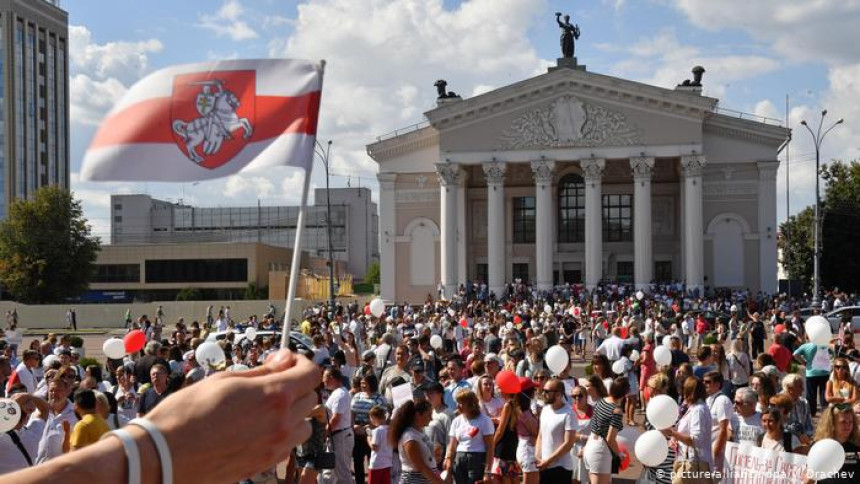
[380, 449]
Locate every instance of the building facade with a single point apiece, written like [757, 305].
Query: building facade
[34, 98]
[577, 177]
[141, 219]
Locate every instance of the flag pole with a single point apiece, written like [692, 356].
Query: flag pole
[297, 243]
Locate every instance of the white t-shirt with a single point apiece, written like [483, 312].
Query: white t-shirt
[423, 444]
[493, 407]
[611, 348]
[11, 458]
[51, 443]
[383, 456]
[721, 409]
[26, 377]
[553, 426]
[470, 433]
[697, 424]
[338, 403]
[770, 444]
[747, 429]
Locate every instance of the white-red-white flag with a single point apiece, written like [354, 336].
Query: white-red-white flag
[208, 120]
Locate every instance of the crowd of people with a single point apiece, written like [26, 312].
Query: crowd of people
[414, 393]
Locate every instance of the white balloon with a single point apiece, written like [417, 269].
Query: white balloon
[634, 355]
[619, 367]
[640, 295]
[667, 340]
[557, 359]
[239, 367]
[662, 356]
[436, 341]
[209, 354]
[114, 348]
[825, 457]
[250, 333]
[377, 307]
[509, 325]
[10, 414]
[50, 359]
[662, 412]
[651, 448]
[818, 330]
[547, 309]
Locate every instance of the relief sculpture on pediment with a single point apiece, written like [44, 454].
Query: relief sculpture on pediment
[570, 122]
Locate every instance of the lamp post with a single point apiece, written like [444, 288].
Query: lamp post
[818, 138]
[323, 153]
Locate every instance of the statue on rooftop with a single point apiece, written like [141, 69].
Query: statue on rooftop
[569, 33]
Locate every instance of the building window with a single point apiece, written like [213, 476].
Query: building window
[663, 271]
[482, 273]
[197, 270]
[618, 218]
[117, 206]
[571, 209]
[524, 220]
[625, 271]
[113, 273]
[117, 218]
[521, 272]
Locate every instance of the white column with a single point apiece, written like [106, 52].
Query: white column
[462, 268]
[592, 172]
[496, 264]
[643, 267]
[449, 178]
[767, 254]
[693, 166]
[387, 233]
[544, 173]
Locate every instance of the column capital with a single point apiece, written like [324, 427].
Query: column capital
[642, 166]
[449, 174]
[494, 172]
[693, 165]
[767, 170]
[386, 180]
[592, 168]
[543, 171]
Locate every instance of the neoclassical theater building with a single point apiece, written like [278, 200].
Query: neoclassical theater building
[578, 177]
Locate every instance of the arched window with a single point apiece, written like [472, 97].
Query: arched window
[571, 209]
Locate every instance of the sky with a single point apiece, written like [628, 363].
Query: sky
[384, 55]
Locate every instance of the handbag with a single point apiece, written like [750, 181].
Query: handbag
[325, 459]
[694, 471]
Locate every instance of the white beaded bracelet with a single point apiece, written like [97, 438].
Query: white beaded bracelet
[131, 453]
[160, 445]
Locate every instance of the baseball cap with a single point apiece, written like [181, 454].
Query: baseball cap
[527, 383]
[188, 355]
[492, 357]
[367, 355]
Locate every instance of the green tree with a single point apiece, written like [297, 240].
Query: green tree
[47, 250]
[188, 294]
[372, 276]
[797, 246]
[253, 293]
[840, 225]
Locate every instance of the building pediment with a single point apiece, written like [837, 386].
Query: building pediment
[569, 108]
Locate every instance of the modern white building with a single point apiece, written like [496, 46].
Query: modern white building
[573, 176]
[34, 98]
[141, 219]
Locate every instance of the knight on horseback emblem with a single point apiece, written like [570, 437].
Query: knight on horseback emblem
[218, 121]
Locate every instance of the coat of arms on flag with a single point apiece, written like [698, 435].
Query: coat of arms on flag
[212, 115]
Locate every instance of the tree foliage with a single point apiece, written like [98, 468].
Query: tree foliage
[189, 294]
[372, 276]
[47, 250]
[253, 292]
[840, 228]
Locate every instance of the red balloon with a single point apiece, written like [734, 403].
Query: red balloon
[779, 328]
[624, 332]
[625, 457]
[134, 341]
[464, 323]
[518, 319]
[367, 309]
[508, 382]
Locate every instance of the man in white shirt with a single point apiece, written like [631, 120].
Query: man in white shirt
[340, 424]
[24, 371]
[18, 447]
[746, 425]
[720, 406]
[60, 420]
[612, 347]
[555, 437]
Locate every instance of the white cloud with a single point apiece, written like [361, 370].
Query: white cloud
[91, 99]
[121, 60]
[228, 22]
[248, 187]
